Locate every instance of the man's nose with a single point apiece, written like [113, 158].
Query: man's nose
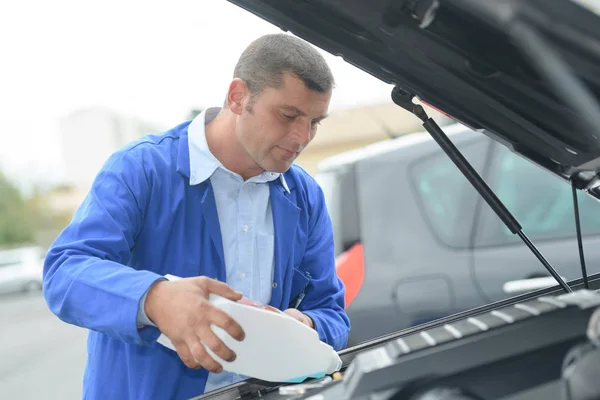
[303, 134]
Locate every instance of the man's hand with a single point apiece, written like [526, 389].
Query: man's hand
[180, 309]
[305, 319]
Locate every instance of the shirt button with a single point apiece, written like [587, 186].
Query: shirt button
[245, 228]
[242, 276]
[274, 285]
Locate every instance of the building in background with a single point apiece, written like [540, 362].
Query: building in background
[90, 136]
[353, 128]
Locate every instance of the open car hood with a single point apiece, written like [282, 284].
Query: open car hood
[457, 56]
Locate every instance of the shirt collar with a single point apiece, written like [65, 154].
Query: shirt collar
[203, 163]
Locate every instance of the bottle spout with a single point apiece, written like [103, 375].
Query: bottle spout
[336, 363]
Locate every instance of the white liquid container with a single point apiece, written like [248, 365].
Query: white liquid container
[277, 347]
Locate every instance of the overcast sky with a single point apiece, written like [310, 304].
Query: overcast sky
[151, 59]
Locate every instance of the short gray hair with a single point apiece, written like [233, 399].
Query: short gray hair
[264, 62]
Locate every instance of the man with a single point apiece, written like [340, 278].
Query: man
[217, 202]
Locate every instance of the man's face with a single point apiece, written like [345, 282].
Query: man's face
[277, 124]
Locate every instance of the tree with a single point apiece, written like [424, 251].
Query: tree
[16, 221]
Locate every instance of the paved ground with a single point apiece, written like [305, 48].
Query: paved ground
[41, 357]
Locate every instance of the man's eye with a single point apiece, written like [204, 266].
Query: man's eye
[289, 117]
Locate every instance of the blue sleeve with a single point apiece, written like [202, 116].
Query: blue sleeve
[324, 299]
[86, 279]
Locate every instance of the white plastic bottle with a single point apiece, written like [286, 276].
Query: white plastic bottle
[277, 347]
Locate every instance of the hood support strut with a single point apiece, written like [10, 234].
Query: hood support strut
[405, 100]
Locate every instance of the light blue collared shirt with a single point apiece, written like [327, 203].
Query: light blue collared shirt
[246, 220]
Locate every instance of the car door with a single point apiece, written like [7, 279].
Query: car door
[543, 204]
[415, 223]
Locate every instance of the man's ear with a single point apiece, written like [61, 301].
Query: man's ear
[237, 92]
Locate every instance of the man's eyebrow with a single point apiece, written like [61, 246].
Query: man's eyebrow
[294, 109]
[302, 113]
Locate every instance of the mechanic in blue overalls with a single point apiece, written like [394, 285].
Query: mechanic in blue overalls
[217, 201]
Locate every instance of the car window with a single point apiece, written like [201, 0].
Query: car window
[540, 201]
[443, 190]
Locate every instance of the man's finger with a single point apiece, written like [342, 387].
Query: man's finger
[213, 342]
[201, 355]
[186, 355]
[225, 322]
[292, 312]
[298, 315]
[223, 290]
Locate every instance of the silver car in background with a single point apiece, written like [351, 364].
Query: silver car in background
[21, 269]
